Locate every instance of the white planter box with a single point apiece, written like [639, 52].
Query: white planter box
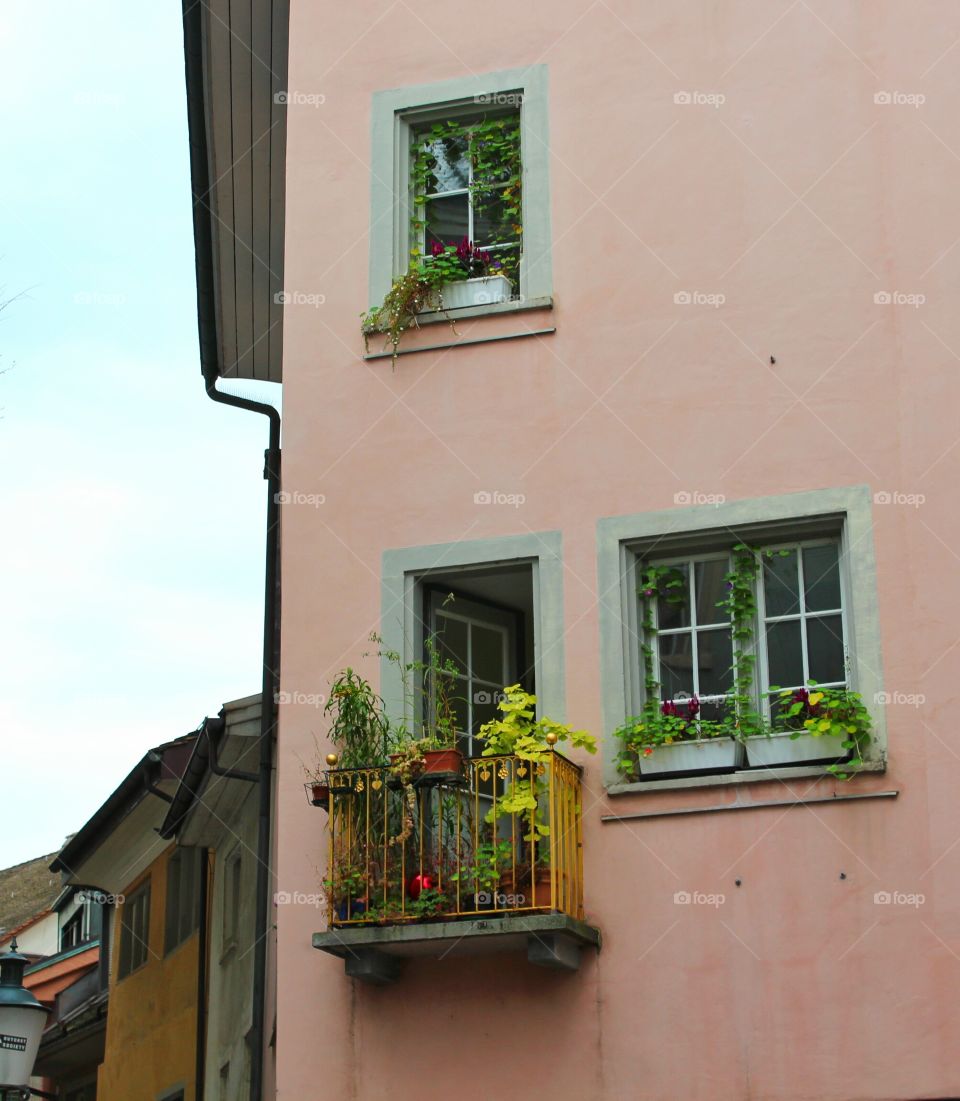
[481, 291]
[781, 749]
[692, 756]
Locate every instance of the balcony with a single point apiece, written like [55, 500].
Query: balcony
[457, 856]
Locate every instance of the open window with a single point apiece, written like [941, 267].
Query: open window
[481, 623]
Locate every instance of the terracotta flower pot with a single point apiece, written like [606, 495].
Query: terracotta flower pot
[443, 760]
[319, 794]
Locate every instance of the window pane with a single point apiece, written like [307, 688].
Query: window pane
[451, 641]
[715, 661]
[492, 224]
[676, 665]
[780, 584]
[451, 167]
[710, 587]
[825, 648]
[784, 654]
[487, 654]
[446, 220]
[484, 707]
[674, 609]
[821, 577]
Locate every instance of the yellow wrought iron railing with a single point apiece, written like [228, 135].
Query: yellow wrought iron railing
[485, 836]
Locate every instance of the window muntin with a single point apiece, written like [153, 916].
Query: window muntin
[801, 625]
[134, 931]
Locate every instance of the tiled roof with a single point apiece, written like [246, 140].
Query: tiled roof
[26, 890]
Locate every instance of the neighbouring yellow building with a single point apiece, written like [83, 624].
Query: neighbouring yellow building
[153, 932]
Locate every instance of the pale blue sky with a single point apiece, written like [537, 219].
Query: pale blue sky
[132, 554]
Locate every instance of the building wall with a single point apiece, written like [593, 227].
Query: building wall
[798, 199]
[151, 1028]
[231, 960]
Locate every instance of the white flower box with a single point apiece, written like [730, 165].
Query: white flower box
[692, 756]
[781, 749]
[481, 291]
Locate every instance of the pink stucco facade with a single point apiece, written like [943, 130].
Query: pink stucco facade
[808, 188]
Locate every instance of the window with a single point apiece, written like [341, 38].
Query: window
[507, 599]
[433, 182]
[71, 934]
[134, 930]
[814, 587]
[231, 900]
[483, 640]
[183, 896]
[466, 180]
[800, 609]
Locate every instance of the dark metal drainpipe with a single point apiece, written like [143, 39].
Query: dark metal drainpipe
[203, 937]
[268, 694]
[206, 312]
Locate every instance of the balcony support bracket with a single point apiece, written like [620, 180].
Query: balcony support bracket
[376, 954]
[373, 967]
[555, 950]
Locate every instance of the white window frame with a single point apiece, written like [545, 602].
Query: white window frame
[787, 519]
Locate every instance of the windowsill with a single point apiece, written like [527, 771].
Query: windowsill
[498, 312]
[742, 776]
[432, 317]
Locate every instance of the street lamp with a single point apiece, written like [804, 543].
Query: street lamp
[22, 1019]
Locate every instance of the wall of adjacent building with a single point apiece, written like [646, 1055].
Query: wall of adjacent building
[152, 1025]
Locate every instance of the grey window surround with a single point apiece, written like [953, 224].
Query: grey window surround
[848, 510]
[404, 570]
[393, 113]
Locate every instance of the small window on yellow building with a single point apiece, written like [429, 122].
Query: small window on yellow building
[183, 897]
[134, 930]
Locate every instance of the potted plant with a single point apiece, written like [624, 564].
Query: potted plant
[346, 889]
[449, 277]
[358, 730]
[814, 724]
[483, 872]
[520, 734]
[676, 739]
